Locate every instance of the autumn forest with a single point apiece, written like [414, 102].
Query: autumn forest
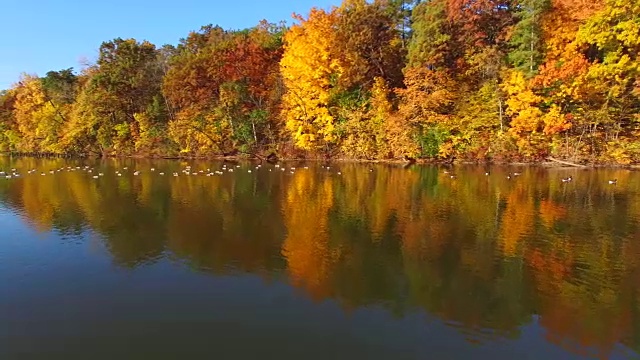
[482, 80]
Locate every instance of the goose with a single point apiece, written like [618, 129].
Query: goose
[613, 182]
[567, 179]
[136, 173]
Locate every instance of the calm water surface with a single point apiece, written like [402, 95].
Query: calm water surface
[364, 261]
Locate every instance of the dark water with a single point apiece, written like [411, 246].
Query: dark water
[374, 262]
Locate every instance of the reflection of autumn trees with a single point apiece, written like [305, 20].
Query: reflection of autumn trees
[485, 253]
[225, 223]
[311, 256]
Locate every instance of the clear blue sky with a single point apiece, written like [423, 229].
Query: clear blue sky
[41, 35]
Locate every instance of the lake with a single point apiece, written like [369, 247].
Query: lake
[324, 261]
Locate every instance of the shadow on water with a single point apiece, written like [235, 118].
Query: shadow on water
[502, 258]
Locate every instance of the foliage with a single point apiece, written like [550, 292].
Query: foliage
[309, 72]
[382, 79]
[225, 88]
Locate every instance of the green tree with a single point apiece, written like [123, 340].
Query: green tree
[431, 43]
[526, 38]
[123, 83]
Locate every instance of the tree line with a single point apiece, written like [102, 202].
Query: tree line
[497, 80]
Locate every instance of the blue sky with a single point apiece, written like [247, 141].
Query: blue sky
[41, 35]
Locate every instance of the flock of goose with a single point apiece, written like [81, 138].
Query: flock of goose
[13, 173]
[187, 171]
[516, 174]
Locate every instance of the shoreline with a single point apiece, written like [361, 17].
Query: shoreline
[543, 163]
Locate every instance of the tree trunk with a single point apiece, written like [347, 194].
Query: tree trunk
[501, 113]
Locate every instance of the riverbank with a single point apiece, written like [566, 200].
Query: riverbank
[549, 163]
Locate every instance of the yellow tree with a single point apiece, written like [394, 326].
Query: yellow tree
[522, 108]
[38, 120]
[8, 134]
[371, 130]
[613, 78]
[309, 73]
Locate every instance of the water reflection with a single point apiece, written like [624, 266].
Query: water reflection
[486, 254]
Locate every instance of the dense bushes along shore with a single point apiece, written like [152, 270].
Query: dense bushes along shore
[510, 80]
